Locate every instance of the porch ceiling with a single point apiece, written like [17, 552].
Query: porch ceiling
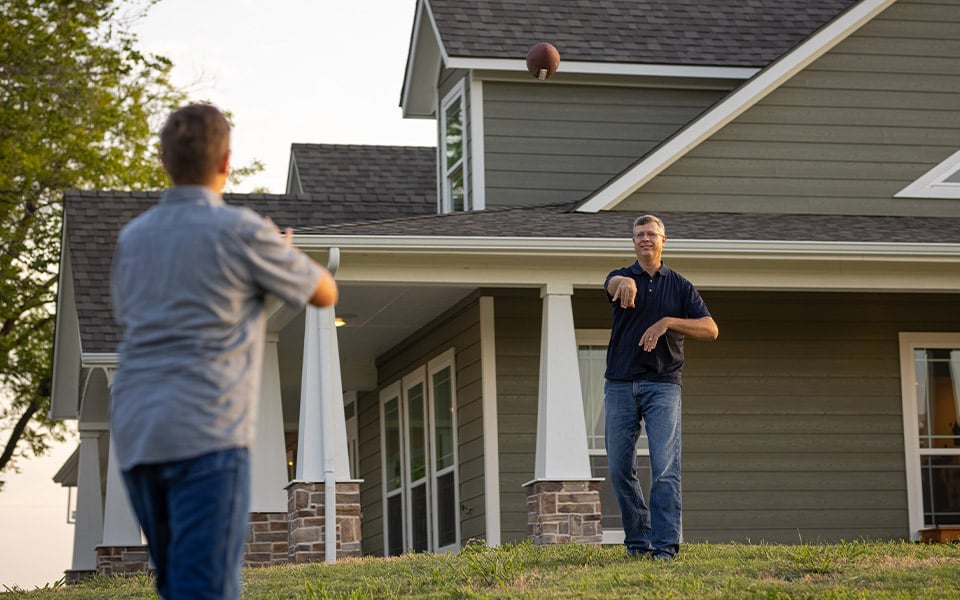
[378, 317]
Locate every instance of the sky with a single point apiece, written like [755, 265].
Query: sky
[290, 71]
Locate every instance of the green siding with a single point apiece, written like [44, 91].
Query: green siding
[458, 328]
[553, 143]
[842, 136]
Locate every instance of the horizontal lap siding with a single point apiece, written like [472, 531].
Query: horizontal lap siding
[556, 143]
[840, 137]
[517, 329]
[458, 328]
[792, 419]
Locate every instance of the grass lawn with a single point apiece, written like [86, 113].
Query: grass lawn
[867, 570]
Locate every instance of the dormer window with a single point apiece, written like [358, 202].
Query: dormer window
[453, 148]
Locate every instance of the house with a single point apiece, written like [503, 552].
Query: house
[805, 158]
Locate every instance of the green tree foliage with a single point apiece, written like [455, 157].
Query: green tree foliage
[79, 108]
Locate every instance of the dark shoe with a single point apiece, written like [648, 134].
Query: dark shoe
[638, 552]
[661, 556]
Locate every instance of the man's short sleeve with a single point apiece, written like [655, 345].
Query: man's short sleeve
[278, 268]
[694, 306]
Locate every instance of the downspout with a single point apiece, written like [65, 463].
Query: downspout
[327, 395]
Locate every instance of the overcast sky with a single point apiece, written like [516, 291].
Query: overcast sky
[315, 71]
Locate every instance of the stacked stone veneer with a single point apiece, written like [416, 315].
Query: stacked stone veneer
[561, 512]
[122, 560]
[267, 540]
[307, 521]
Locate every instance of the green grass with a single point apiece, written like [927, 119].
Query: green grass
[850, 570]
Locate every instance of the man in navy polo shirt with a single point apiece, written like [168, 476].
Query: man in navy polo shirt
[654, 308]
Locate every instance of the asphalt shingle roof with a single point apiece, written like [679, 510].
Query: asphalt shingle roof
[93, 220]
[749, 33]
[360, 183]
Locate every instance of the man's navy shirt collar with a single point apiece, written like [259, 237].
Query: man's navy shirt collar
[636, 269]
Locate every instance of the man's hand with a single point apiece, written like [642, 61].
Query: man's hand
[623, 289]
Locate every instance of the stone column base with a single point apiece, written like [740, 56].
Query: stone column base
[267, 540]
[122, 560]
[560, 512]
[305, 515]
[75, 576]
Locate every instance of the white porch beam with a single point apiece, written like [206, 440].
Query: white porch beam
[268, 456]
[561, 428]
[491, 433]
[88, 531]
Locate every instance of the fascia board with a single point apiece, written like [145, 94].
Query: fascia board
[597, 68]
[100, 360]
[65, 392]
[424, 42]
[734, 105]
[553, 246]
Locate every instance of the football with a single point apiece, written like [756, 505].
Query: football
[543, 60]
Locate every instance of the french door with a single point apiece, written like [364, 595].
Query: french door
[419, 450]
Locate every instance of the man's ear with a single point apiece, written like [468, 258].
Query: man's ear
[224, 165]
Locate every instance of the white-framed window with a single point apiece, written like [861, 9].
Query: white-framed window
[452, 149]
[419, 455]
[930, 386]
[592, 357]
[942, 181]
[353, 433]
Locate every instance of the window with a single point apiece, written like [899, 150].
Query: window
[930, 379]
[353, 435]
[592, 354]
[453, 151]
[942, 181]
[419, 448]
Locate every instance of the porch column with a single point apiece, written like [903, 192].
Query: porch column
[88, 530]
[267, 538]
[122, 551]
[323, 487]
[563, 499]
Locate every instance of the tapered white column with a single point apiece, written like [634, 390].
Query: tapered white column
[321, 401]
[561, 428]
[88, 531]
[269, 454]
[120, 525]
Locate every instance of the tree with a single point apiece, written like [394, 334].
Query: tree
[79, 108]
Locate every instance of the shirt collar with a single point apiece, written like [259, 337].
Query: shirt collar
[191, 194]
[638, 270]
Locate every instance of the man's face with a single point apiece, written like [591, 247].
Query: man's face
[648, 242]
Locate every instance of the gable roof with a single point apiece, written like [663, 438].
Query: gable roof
[363, 182]
[677, 38]
[649, 166]
[679, 32]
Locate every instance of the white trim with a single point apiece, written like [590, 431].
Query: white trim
[475, 140]
[101, 360]
[932, 185]
[491, 432]
[457, 92]
[391, 392]
[768, 249]
[734, 105]
[410, 381]
[445, 360]
[601, 68]
[910, 341]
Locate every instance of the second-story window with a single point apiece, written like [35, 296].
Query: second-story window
[453, 146]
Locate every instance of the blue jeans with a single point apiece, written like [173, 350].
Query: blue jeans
[195, 515]
[654, 530]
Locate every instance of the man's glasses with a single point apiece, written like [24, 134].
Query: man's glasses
[642, 235]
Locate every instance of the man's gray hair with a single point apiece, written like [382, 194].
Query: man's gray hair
[644, 219]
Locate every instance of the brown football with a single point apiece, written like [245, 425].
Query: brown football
[543, 60]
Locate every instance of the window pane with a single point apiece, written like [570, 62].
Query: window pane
[394, 525]
[455, 182]
[938, 396]
[391, 443]
[418, 525]
[941, 490]
[593, 364]
[443, 417]
[446, 510]
[418, 450]
[453, 138]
